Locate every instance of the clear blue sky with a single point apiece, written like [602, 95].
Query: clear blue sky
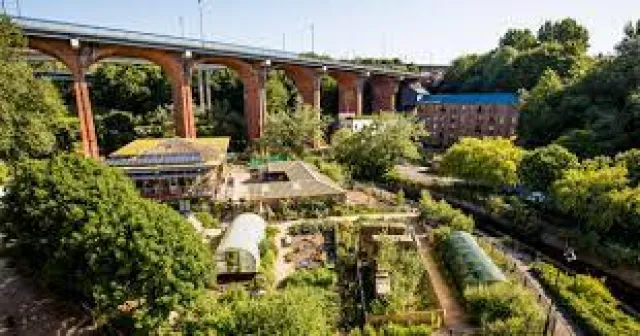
[416, 30]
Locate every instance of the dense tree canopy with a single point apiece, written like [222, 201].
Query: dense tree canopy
[83, 227]
[32, 116]
[292, 132]
[373, 151]
[520, 39]
[594, 111]
[520, 60]
[138, 89]
[543, 166]
[491, 161]
[631, 160]
[568, 32]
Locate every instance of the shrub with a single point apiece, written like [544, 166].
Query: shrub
[589, 302]
[207, 220]
[319, 277]
[504, 308]
[442, 213]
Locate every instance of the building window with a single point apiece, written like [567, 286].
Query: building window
[501, 120]
[479, 109]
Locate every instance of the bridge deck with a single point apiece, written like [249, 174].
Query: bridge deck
[104, 35]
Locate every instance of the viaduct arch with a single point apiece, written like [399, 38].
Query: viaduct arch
[178, 66]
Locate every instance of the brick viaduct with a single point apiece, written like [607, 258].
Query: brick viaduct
[79, 55]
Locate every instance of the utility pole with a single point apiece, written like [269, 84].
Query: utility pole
[284, 43]
[313, 39]
[201, 72]
[181, 24]
[201, 23]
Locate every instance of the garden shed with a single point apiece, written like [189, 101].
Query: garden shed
[469, 264]
[239, 250]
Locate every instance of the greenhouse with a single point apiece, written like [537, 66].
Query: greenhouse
[469, 264]
[239, 250]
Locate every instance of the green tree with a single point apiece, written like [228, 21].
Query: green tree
[631, 160]
[129, 87]
[490, 161]
[544, 165]
[292, 132]
[580, 190]
[373, 151]
[32, 116]
[115, 129]
[89, 235]
[537, 108]
[567, 32]
[521, 39]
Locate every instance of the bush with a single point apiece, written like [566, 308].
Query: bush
[207, 220]
[589, 301]
[392, 329]
[334, 171]
[319, 277]
[441, 213]
[86, 231]
[504, 308]
[292, 311]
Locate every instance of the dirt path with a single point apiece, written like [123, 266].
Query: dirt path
[455, 316]
[27, 310]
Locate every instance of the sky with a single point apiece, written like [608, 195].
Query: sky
[421, 31]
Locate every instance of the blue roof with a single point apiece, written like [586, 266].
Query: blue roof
[471, 98]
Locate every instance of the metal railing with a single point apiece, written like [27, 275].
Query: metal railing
[54, 28]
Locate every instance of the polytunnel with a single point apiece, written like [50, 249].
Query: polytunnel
[239, 250]
[469, 264]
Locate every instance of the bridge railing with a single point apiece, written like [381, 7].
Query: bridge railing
[56, 28]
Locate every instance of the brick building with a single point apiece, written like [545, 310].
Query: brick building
[449, 117]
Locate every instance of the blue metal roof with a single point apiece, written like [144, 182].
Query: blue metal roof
[471, 98]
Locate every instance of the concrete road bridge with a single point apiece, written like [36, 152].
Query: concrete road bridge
[80, 46]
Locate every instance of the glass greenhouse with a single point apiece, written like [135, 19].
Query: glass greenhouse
[469, 264]
[239, 250]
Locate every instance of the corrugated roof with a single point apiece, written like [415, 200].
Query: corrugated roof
[245, 233]
[471, 98]
[304, 181]
[174, 151]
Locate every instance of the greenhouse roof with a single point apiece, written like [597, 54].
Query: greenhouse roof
[472, 262]
[245, 233]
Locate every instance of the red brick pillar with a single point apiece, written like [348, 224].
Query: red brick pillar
[350, 87]
[308, 83]
[384, 93]
[85, 114]
[183, 103]
[255, 101]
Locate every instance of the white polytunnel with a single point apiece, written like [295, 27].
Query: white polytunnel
[239, 250]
